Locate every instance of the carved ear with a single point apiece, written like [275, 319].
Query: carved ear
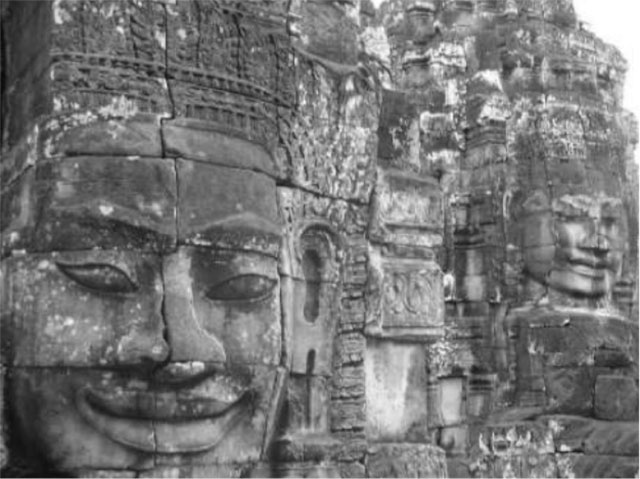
[319, 263]
[318, 253]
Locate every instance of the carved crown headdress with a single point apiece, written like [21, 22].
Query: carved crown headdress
[208, 60]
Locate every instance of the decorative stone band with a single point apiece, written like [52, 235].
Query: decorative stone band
[406, 460]
[116, 86]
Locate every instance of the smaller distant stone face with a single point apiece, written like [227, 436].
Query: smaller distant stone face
[574, 243]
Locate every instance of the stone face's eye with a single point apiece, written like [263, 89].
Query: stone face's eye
[245, 287]
[99, 277]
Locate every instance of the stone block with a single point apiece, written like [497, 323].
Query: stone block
[410, 302]
[112, 78]
[20, 157]
[399, 133]
[241, 443]
[351, 470]
[458, 467]
[354, 445]
[199, 140]
[306, 446]
[407, 210]
[348, 382]
[18, 213]
[197, 471]
[226, 49]
[45, 401]
[67, 309]
[611, 358]
[109, 26]
[579, 333]
[350, 348]
[107, 473]
[473, 288]
[307, 402]
[302, 470]
[531, 465]
[479, 395]
[332, 32]
[222, 306]
[520, 437]
[227, 208]
[354, 313]
[4, 452]
[314, 325]
[102, 133]
[538, 466]
[406, 460]
[454, 440]
[347, 414]
[452, 400]
[337, 160]
[26, 73]
[323, 219]
[121, 60]
[593, 437]
[470, 261]
[616, 398]
[396, 391]
[104, 202]
[438, 133]
[569, 390]
[580, 465]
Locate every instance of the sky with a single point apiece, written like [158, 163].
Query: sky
[616, 22]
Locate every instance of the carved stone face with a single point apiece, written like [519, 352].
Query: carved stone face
[166, 353]
[575, 243]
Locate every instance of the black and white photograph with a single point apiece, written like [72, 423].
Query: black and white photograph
[319, 238]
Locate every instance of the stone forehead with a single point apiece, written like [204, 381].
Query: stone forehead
[143, 204]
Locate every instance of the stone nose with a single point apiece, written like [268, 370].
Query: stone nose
[597, 241]
[188, 340]
[143, 347]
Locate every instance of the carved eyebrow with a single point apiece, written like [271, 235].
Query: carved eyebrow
[106, 209]
[121, 222]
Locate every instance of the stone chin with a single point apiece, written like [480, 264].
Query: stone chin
[80, 418]
[576, 272]
[582, 280]
[148, 422]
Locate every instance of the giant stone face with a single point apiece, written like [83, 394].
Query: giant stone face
[130, 353]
